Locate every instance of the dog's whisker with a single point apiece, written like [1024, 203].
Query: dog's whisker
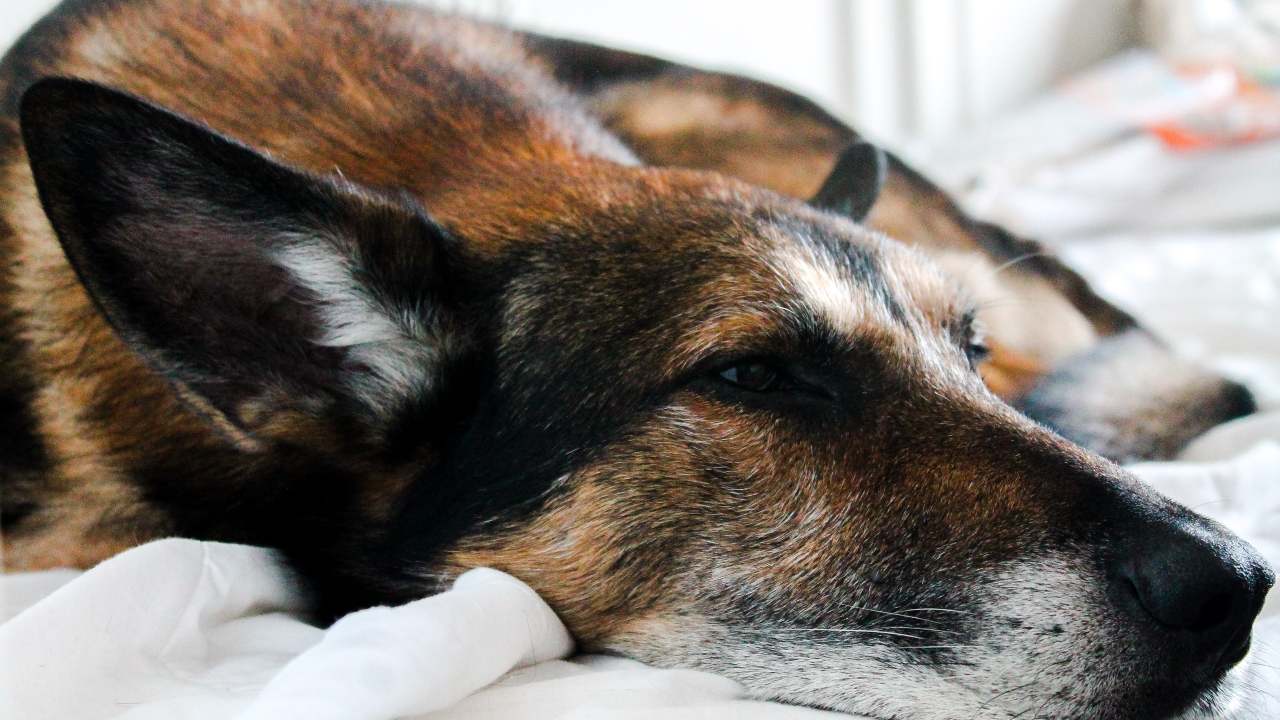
[995, 304]
[1021, 258]
[1035, 680]
[861, 608]
[940, 610]
[1001, 694]
[914, 662]
[920, 629]
[853, 631]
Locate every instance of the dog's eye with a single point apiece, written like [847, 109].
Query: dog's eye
[753, 375]
[973, 339]
[977, 351]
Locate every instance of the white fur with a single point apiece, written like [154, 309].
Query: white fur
[395, 346]
[851, 308]
[818, 281]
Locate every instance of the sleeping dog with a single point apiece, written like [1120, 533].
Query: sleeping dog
[401, 294]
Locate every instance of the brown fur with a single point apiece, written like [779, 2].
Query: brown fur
[765, 136]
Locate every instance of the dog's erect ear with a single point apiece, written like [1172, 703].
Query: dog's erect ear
[855, 181]
[254, 287]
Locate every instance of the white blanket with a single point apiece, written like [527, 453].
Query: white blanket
[182, 629]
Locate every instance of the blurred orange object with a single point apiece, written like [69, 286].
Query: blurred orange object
[1249, 114]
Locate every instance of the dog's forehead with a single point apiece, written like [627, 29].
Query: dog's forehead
[731, 276]
[852, 276]
[852, 279]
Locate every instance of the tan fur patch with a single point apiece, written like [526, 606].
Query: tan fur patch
[595, 553]
[1009, 373]
[717, 127]
[1022, 313]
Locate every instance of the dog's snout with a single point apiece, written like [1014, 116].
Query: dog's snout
[1200, 585]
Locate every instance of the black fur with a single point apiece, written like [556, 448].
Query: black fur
[854, 184]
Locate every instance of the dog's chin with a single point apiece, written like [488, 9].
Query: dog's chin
[1228, 697]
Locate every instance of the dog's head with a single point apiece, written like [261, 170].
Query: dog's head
[714, 428]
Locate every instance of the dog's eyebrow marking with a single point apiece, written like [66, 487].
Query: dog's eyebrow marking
[847, 293]
[830, 295]
[395, 347]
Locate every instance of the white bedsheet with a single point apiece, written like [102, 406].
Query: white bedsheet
[187, 630]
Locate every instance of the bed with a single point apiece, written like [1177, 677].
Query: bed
[187, 629]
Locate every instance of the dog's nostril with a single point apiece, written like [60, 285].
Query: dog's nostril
[1238, 648]
[1183, 588]
[1179, 608]
[1200, 586]
[1214, 609]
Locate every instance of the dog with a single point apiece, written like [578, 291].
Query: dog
[390, 292]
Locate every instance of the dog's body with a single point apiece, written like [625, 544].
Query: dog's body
[451, 319]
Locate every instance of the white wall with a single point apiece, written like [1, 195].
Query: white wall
[795, 42]
[17, 15]
[901, 69]
[1017, 47]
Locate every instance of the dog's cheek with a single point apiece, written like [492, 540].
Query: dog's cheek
[610, 544]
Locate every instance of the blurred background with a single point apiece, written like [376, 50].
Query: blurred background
[1061, 118]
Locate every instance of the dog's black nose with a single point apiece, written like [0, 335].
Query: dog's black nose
[1199, 584]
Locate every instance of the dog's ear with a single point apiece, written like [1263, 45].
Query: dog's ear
[255, 288]
[855, 182]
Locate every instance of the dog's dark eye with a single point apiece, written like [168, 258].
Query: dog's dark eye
[973, 339]
[977, 351]
[754, 376]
